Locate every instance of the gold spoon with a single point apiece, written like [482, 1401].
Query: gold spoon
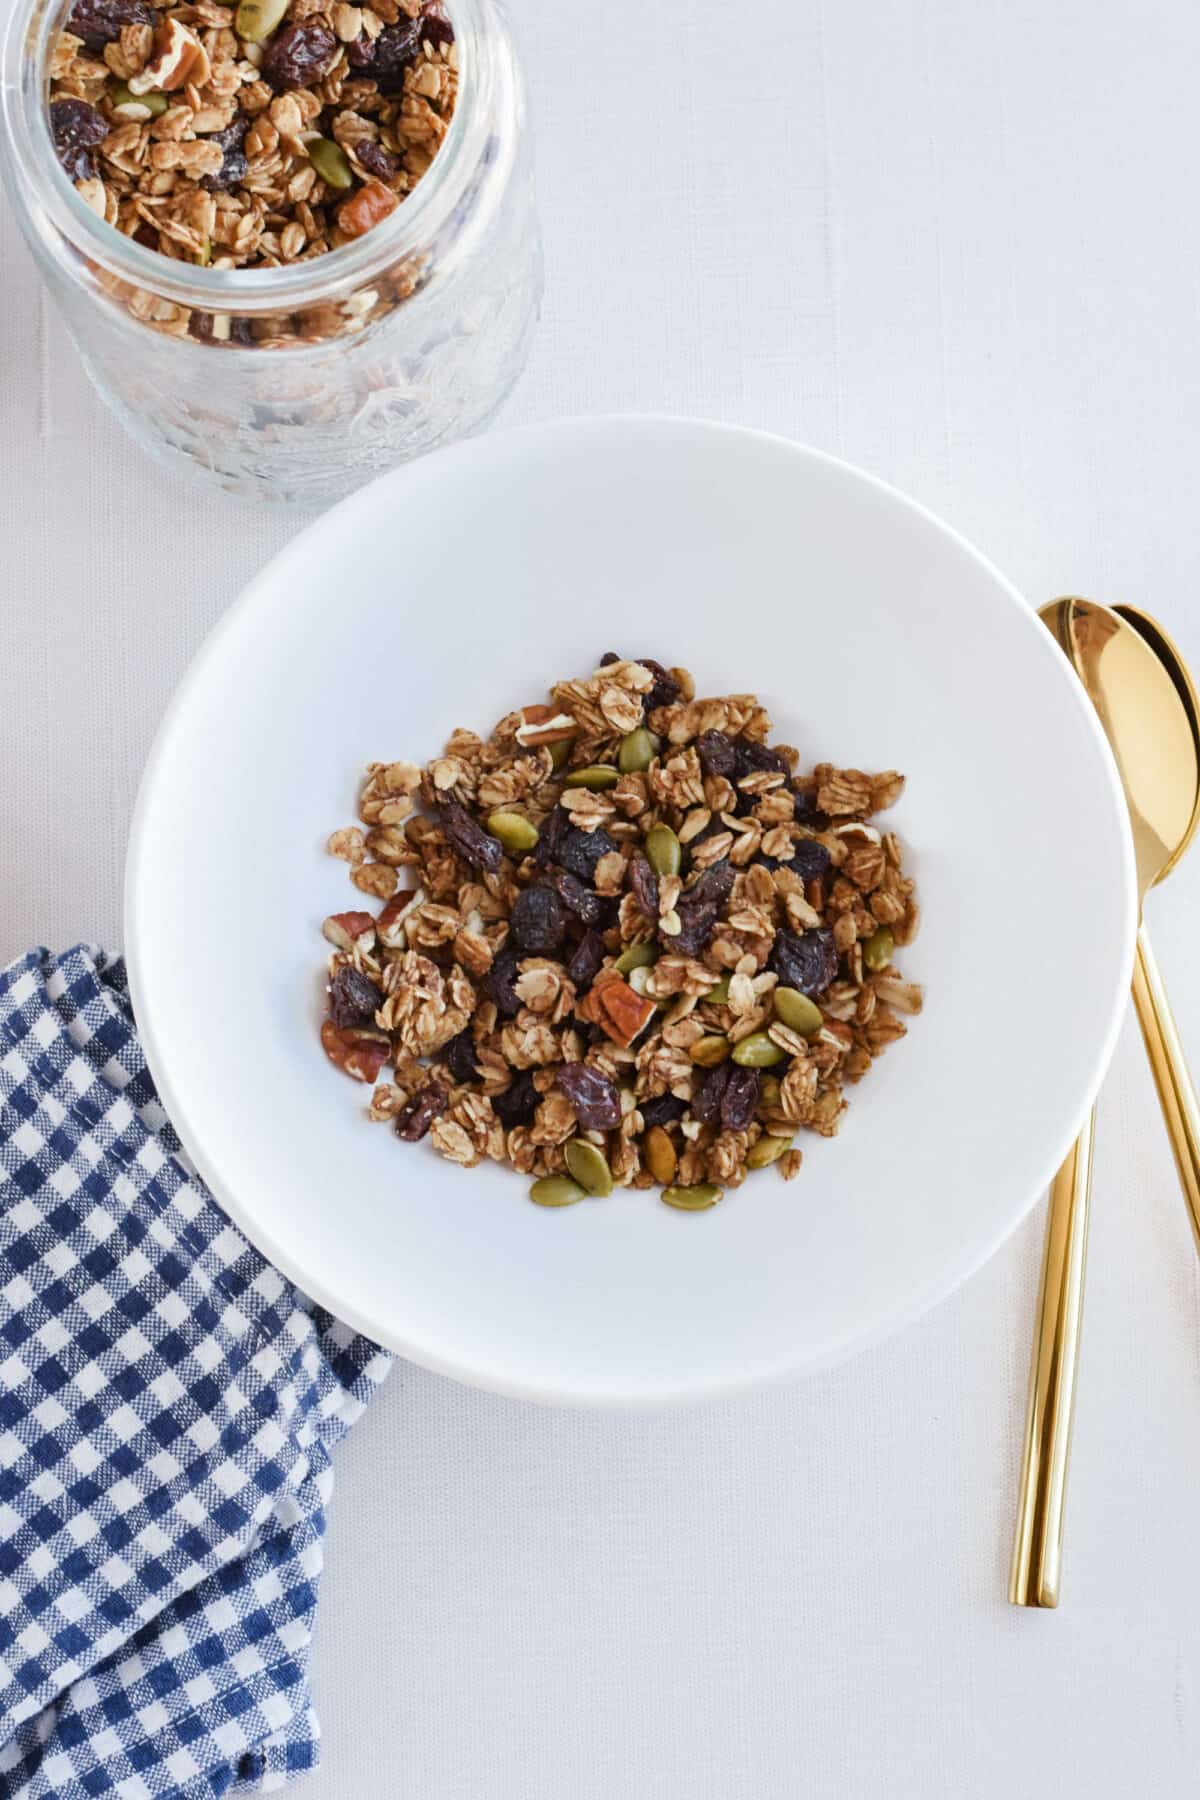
[1141, 689]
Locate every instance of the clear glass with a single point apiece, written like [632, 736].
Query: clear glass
[362, 358]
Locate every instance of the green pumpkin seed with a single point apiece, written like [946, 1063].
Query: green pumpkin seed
[255, 20]
[768, 1093]
[589, 1168]
[517, 833]
[331, 162]
[692, 1199]
[879, 949]
[658, 1154]
[757, 1052]
[556, 1190]
[560, 753]
[767, 1150]
[129, 105]
[638, 956]
[637, 752]
[663, 850]
[709, 1051]
[797, 1011]
[719, 995]
[595, 776]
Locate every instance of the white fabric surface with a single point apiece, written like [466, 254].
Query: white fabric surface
[956, 243]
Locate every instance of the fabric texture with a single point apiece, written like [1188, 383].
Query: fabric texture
[168, 1404]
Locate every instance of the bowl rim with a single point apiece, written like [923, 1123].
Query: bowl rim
[916, 1302]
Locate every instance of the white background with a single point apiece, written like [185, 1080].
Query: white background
[955, 241]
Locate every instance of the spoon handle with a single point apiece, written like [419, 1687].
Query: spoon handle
[1174, 1084]
[1037, 1548]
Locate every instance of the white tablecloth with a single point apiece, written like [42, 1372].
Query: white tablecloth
[956, 243]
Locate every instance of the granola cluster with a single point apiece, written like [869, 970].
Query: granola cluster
[250, 136]
[633, 946]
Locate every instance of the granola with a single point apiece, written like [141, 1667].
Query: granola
[634, 947]
[250, 136]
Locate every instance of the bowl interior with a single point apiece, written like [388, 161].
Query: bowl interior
[458, 588]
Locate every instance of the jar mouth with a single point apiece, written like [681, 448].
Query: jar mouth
[427, 215]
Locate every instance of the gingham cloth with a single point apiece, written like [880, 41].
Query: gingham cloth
[168, 1403]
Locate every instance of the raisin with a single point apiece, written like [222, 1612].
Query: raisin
[552, 836]
[417, 1115]
[230, 142]
[200, 325]
[666, 690]
[708, 1093]
[360, 54]
[579, 901]
[538, 923]
[739, 1098]
[459, 1056]
[298, 56]
[375, 160]
[499, 983]
[810, 859]
[713, 886]
[241, 331]
[804, 803]
[610, 656]
[582, 850]
[596, 1099]
[436, 30]
[716, 753]
[751, 759]
[664, 1109]
[100, 22]
[353, 999]
[396, 48]
[643, 884]
[470, 840]
[807, 961]
[586, 961]
[519, 1101]
[696, 923]
[77, 128]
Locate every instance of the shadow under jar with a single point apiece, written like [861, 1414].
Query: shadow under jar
[299, 382]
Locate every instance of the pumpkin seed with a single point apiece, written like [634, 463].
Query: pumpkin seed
[637, 752]
[515, 832]
[560, 753]
[769, 1093]
[663, 851]
[797, 1011]
[879, 949]
[331, 162]
[595, 776]
[638, 956]
[589, 1168]
[556, 1190]
[255, 20]
[658, 1154]
[767, 1150]
[757, 1051]
[137, 106]
[709, 1051]
[692, 1199]
[719, 995]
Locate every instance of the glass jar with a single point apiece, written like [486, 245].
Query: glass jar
[298, 383]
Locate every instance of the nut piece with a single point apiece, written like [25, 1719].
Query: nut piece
[350, 931]
[359, 1054]
[177, 57]
[658, 1154]
[366, 209]
[619, 1012]
[542, 725]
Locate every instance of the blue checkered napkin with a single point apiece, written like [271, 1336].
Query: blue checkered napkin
[168, 1403]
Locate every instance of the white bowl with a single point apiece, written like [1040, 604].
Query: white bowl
[457, 588]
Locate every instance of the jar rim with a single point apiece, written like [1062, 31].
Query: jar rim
[425, 215]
